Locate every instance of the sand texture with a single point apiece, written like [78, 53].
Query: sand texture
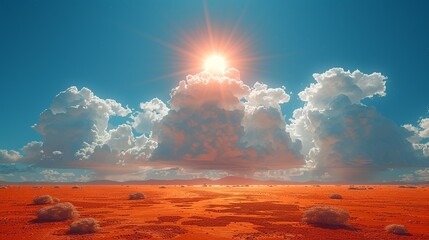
[217, 212]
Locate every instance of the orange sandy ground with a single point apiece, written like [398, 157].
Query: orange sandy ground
[217, 212]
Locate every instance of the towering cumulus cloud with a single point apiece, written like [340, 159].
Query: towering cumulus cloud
[76, 135]
[217, 122]
[343, 138]
[75, 119]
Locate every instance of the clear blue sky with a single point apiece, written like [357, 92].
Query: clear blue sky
[109, 47]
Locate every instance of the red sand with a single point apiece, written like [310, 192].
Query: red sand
[217, 212]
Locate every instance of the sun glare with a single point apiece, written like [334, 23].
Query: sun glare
[210, 48]
[215, 64]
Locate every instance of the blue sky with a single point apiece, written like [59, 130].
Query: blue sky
[109, 47]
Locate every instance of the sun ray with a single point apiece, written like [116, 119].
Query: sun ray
[208, 23]
[190, 52]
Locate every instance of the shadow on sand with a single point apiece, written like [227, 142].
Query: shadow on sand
[335, 227]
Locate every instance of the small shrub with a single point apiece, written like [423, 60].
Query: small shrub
[397, 229]
[136, 196]
[336, 196]
[58, 212]
[84, 226]
[326, 216]
[44, 199]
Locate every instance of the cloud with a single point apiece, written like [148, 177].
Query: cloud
[263, 96]
[217, 122]
[214, 125]
[420, 136]
[55, 176]
[424, 126]
[83, 178]
[355, 141]
[416, 176]
[265, 128]
[121, 152]
[265, 132]
[75, 134]
[205, 88]
[283, 174]
[407, 177]
[9, 155]
[144, 173]
[342, 137]
[153, 112]
[33, 152]
[356, 86]
[75, 118]
[423, 174]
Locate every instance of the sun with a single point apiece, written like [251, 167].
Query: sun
[215, 64]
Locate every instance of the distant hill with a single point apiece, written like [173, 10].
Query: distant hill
[230, 180]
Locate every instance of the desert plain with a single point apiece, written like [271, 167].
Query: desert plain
[217, 212]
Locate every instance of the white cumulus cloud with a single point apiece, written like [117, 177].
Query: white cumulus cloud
[217, 122]
[420, 136]
[215, 125]
[343, 138]
[356, 86]
[152, 112]
[9, 155]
